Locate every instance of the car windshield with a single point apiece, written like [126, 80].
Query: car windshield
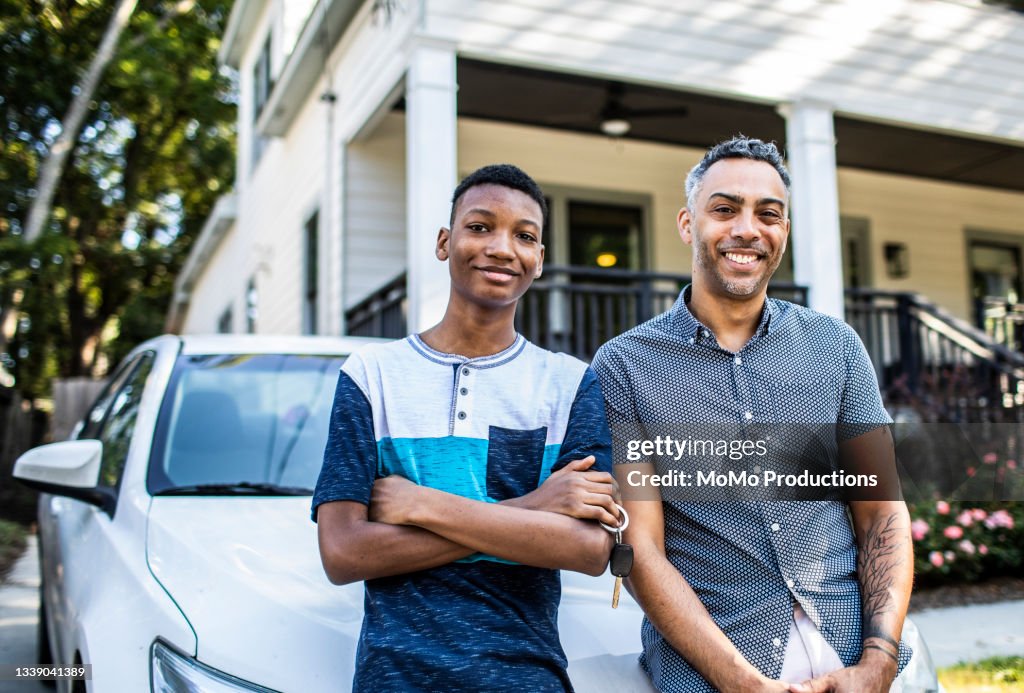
[243, 424]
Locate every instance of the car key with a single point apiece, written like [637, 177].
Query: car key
[620, 564]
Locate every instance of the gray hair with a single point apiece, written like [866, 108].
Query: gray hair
[739, 147]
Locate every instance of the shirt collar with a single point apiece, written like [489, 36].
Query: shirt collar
[691, 329]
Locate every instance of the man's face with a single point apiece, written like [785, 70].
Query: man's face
[738, 227]
[494, 246]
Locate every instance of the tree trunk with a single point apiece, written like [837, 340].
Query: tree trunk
[53, 166]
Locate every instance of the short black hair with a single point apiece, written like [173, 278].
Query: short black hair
[738, 147]
[501, 174]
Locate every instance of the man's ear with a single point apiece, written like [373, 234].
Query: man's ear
[540, 265]
[683, 221]
[441, 249]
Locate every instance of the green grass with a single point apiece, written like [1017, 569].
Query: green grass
[992, 675]
[12, 543]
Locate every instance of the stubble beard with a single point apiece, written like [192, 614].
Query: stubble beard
[739, 288]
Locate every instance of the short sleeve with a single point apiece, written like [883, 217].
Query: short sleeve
[619, 402]
[860, 407]
[350, 457]
[587, 431]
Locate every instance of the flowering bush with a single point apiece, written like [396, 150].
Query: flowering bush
[961, 540]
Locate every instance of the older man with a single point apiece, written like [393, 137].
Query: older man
[755, 592]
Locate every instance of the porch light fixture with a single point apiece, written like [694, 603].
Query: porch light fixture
[897, 260]
[607, 260]
[615, 127]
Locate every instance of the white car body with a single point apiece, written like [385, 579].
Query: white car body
[234, 583]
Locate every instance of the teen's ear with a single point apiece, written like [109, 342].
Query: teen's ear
[683, 221]
[441, 249]
[540, 265]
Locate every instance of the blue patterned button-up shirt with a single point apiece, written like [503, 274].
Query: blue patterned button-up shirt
[748, 561]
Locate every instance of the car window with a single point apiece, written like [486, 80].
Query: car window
[244, 419]
[119, 422]
[94, 419]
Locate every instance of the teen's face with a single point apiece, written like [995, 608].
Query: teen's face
[738, 227]
[494, 246]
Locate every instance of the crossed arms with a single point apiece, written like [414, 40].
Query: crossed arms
[407, 527]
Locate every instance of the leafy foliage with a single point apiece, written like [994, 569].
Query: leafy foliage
[153, 156]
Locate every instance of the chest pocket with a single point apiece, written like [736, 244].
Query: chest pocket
[514, 460]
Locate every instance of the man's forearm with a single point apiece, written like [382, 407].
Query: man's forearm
[675, 610]
[885, 564]
[532, 537]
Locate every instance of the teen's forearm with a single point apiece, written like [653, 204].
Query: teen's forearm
[532, 537]
[353, 548]
[885, 569]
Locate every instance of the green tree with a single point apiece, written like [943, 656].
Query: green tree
[154, 153]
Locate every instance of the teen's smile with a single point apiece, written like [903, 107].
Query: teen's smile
[501, 275]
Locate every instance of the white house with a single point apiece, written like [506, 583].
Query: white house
[903, 123]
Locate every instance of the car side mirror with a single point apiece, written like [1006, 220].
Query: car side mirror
[70, 468]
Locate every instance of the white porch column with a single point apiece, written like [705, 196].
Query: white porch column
[815, 240]
[431, 173]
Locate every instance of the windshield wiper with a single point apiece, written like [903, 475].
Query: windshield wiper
[241, 488]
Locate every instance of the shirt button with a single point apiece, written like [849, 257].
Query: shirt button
[692, 340]
[748, 415]
[790, 584]
[462, 415]
[465, 371]
[777, 642]
[739, 361]
[463, 391]
[775, 527]
[757, 470]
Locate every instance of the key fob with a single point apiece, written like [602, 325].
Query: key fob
[622, 560]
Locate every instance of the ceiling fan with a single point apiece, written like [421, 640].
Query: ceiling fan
[615, 118]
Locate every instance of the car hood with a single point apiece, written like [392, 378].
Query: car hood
[246, 573]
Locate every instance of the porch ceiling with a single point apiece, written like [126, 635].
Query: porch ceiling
[572, 102]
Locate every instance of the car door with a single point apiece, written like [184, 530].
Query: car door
[79, 545]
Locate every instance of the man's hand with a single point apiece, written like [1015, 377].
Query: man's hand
[391, 499]
[576, 492]
[860, 678]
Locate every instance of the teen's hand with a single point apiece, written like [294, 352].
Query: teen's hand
[392, 496]
[576, 492]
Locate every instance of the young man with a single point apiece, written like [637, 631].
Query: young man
[464, 467]
[752, 594]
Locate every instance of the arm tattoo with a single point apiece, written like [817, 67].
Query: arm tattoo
[881, 649]
[879, 556]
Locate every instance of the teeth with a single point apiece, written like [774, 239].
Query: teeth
[741, 259]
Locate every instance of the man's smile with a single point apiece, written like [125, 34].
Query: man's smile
[502, 275]
[744, 259]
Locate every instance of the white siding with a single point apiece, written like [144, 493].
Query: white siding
[946, 65]
[216, 289]
[375, 222]
[931, 219]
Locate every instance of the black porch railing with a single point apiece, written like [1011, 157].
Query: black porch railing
[381, 314]
[577, 309]
[1002, 321]
[923, 355]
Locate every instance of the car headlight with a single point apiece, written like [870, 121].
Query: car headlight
[173, 672]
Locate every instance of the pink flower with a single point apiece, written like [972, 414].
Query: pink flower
[978, 514]
[942, 507]
[990, 458]
[1011, 464]
[935, 558]
[1000, 518]
[918, 528]
[971, 471]
[953, 532]
[967, 547]
[983, 550]
[966, 518]
[949, 556]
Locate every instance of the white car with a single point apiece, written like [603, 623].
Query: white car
[176, 547]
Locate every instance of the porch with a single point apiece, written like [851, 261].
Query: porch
[930, 364]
